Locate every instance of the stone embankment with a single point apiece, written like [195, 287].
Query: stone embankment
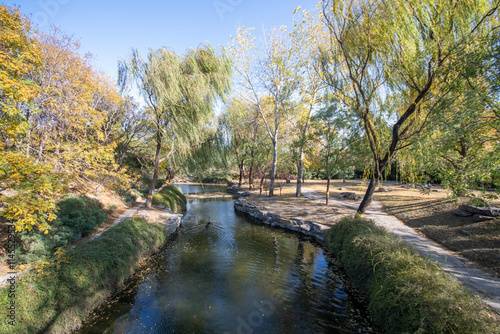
[305, 227]
[263, 215]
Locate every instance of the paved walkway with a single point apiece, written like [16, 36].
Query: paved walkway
[472, 277]
[127, 214]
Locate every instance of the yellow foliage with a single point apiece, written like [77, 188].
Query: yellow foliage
[19, 57]
[34, 191]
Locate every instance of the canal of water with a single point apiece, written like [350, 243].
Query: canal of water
[233, 276]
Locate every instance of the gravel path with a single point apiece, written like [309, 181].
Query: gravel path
[472, 277]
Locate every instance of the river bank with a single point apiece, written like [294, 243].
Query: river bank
[55, 296]
[221, 269]
[269, 211]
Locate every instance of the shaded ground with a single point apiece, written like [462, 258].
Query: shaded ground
[430, 214]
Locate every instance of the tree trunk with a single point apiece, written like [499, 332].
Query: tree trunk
[328, 188]
[121, 158]
[250, 177]
[343, 176]
[241, 167]
[328, 177]
[275, 165]
[151, 191]
[262, 183]
[300, 172]
[367, 199]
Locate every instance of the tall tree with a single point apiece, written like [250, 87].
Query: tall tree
[391, 63]
[180, 92]
[335, 131]
[307, 36]
[20, 58]
[266, 73]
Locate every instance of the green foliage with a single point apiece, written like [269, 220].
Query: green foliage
[77, 217]
[81, 214]
[407, 293]
[211, 176]
[62, 293]
[171, 197]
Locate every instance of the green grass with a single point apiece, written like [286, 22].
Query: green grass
[407, 293]
[171, 197]
[57, 296]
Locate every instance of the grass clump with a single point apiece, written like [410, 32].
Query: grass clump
[407, 293]
[171, 197]
[56, 296]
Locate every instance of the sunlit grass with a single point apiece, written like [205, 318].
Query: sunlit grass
[171, 197]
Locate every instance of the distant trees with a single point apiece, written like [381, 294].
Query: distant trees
[248, 140]
[336, 133]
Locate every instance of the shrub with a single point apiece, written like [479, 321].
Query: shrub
[407, 293]
[76, 217]
[171, 197]
[81, 214]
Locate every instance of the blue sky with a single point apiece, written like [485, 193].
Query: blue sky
[109, 28]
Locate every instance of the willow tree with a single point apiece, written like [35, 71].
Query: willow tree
[180, 92]
[391, 62]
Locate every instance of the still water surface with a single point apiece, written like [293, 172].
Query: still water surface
[233, 276]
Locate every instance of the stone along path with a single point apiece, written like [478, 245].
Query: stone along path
[467, 273]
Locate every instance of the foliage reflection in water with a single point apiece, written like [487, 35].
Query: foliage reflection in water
[232, 276]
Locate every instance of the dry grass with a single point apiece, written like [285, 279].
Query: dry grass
[432, 216]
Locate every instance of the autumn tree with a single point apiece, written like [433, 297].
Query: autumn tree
[28, 190]
[307, 36]
[20, 57]
[391, 63]
[266, 72]
[180, 92]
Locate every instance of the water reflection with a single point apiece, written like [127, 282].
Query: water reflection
[233, 277]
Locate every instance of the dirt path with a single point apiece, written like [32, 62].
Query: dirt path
[466, 272]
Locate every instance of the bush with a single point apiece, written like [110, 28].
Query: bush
[56, 297]
[81, 214]
[407, 293]
[171, 197]
[76, 217]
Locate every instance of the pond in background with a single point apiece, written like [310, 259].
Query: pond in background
[233, 276]
[196, 189]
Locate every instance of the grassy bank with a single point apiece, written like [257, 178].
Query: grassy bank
[57, 296]
[407, 293]
[171, 197]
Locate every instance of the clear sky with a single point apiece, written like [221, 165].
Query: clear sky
[110, 28]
